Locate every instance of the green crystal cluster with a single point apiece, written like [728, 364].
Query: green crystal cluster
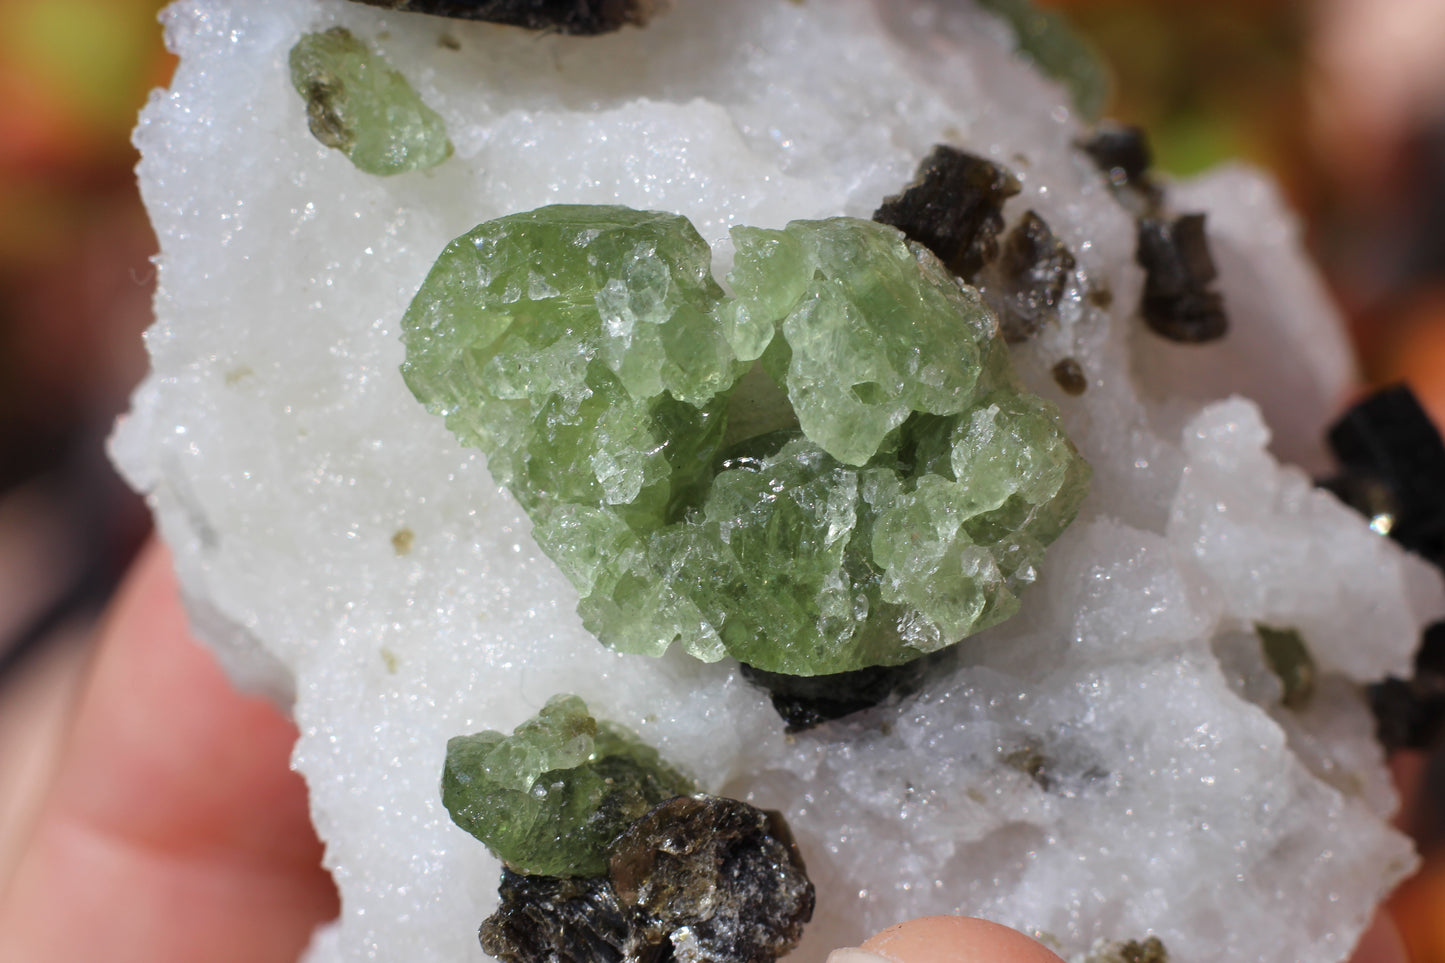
[552, 797]
[357, 103]
[833, 469]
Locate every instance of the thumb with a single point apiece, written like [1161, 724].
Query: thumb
[947, 939]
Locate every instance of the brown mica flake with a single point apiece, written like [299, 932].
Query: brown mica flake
[576, 17]
[1069, 375]
[698, 878]
[953, 207]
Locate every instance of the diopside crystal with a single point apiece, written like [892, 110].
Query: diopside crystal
[833, 470]
[551, 798]
[357, 103]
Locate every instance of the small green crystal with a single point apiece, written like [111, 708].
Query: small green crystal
[834, 469]
[1289, 658]
[357, 103]
[550, 798]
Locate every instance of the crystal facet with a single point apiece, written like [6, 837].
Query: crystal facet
[887, 487]
[551, 798]
[358, 104]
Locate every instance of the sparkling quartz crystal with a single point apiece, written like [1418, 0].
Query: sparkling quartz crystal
[551, 798]
[588, 352]
[357, 103]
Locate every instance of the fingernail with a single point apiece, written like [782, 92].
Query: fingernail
[852, 954]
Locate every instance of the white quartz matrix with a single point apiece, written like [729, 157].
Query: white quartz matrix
[340, 551]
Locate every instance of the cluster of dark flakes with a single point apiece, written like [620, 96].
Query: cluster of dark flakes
[1032, 274]
[1392, 470]
[808, 701]
[1179, 301]
[1150, 950]
[580, 17]
[699, 879]
[954, 207]
[1410, 713]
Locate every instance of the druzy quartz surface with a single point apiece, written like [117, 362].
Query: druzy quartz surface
[1115, 762]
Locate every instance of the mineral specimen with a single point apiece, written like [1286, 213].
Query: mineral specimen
[588, 352]
[358, 104]
[1121, 151]
[720, 879]
[1178, 302]
[808, 701]
[954, 207]
[583, 17]
[1030, 279]
[283, 453]
[1287, 655]
[699, 878]
[551, 798]
[547, 919]
[1393, 462]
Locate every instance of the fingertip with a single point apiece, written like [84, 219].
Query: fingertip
[947, 939]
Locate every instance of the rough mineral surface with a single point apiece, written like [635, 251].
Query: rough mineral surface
[588, 352]
[717, 878]
[284, 453]
[699, 879]
[550, 798]
[358, 104]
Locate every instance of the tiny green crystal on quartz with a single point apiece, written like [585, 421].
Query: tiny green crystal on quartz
[834, 469]
[550, 798]
[357, 103]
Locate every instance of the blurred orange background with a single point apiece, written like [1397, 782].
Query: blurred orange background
[1344, 100]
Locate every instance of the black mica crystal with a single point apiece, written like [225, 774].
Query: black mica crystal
[1410, 713]
[719, 879]
[582, 17]
[1178, 303]
[1121, 151]
[561, 920]
[1033, 271]
[698, 878]
[1392, 463]
[954, 207]
[805, 701]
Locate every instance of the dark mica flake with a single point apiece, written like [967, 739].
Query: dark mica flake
[1033, 272]
[1121, 151]
[1150, 950]
[580, 17]
[548, 918]
[954, 207]
[720, 879]
[699, 878]
[805, 701]
[1410, 713]
[1392, 464]
[1069, 375]
[1179, 270]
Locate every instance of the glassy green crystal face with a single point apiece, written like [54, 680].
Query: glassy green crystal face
[550, 798]
[356, 103]
[834, 469]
